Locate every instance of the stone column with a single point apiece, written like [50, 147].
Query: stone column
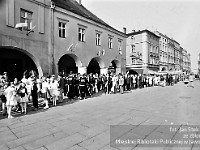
[118, 70]
[82, 70]
[103, 70]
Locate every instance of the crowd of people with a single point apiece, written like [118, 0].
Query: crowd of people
[15, 95]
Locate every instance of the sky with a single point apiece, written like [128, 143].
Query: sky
[178, 19]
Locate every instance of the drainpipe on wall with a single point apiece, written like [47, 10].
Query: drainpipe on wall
[52, 7]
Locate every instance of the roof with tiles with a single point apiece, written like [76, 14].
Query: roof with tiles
[79, 9]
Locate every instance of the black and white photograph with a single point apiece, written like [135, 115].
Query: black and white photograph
[99, 75]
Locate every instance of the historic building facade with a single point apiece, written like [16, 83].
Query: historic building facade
[142, 52]
[177, 55]
[20, 48]
[181, 59]
[84, 43]
[164, 50]
[173, 57]
[52, 36]
[186, 62]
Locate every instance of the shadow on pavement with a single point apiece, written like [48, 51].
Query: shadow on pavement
[30, 111]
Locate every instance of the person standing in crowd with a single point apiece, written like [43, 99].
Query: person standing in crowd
[134, 81]
[23, 97]
[105, 83]
[45, 91]
[140, 81]
[150, 81]
[54, 90]
[76, 85]
[39, 86]
[121, 84]
[10, 93]
[17, 96]
[61, 86]
[114, 83]
[71, 92]
[109, 86]
[34, 93]
[95, 77]
[144, 83]
[128, 82]
[91, 83]
[99, 83]
[3, 86]
[24, 79]
[83, 86]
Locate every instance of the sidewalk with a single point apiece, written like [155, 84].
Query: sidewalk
[85, 124]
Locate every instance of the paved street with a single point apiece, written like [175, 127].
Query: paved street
[85, 125]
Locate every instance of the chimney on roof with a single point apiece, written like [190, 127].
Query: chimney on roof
[79, 1]
[133, 30]
[124, 30]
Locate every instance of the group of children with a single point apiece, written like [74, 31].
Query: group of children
[16, 95]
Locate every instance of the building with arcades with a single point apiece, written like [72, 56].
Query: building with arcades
[142, 52]
[52, 36]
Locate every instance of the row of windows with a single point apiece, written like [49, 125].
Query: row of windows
[62, 33]
[26, 17]
[153, 49]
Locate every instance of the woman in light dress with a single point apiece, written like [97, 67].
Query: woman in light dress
[23, 97]
[10, 94]
[45, 92]
[54, 90]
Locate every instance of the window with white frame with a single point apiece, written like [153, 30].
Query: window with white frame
[26, 17]
[62, 29]
[110, 42]
[98, 39]
[81, 34]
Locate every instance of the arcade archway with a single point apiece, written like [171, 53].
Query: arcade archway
[16, 61]
[68, 63]
[95, 65]
[112, 67]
